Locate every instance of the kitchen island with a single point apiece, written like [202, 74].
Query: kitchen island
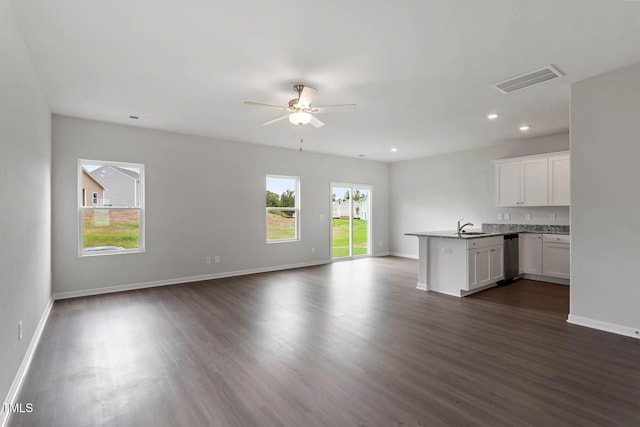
[459, 264]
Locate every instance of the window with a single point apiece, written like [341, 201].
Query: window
[113, 220]
[283, 208]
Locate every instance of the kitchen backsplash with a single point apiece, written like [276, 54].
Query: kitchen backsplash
[525, 228]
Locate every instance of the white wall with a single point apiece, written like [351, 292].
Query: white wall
[204, 197]
[25, 161]
[605, 193]
[432, 193]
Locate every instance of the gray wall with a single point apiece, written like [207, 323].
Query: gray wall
[204, 197]
[605, 177]
[25, 162]
[432, 193]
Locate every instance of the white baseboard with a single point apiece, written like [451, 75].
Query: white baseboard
[179, 280]
[604, 326]
[548, 279]
[402, 255]
[380, 254]
[14, 390]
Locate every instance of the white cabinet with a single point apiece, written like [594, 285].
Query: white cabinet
[522, 182]
[556, 256]
[541, 180]
[496, 263]
[534, 185]
[559, 180]
[521, 238]
[508, 184]
[532, 257]
[485, 264]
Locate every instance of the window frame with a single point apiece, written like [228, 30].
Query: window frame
[82, 252]
[295, 208]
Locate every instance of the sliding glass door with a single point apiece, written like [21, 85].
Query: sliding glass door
[351, 220]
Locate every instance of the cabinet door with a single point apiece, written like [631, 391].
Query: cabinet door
[555, 260]
[534, 182]
[496, 263]
[479, 267]
[521, 238]
[533, 254]
[508, 184]
[559, 180]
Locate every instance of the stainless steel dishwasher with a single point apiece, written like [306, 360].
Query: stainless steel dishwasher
[511, 258]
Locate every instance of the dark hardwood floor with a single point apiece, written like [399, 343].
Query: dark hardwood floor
[344, 344]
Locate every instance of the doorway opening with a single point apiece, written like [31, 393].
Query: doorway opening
[351, 221]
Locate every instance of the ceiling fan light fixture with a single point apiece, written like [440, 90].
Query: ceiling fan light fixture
[300, 118]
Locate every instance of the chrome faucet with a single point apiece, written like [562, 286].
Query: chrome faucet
[460, 227]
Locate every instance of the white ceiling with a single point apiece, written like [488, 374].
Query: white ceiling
[421, 71]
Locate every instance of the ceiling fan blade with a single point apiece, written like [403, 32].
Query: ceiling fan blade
[259, 104]
[331, 108]
[268, 122]
[306, 96]
[315, 122]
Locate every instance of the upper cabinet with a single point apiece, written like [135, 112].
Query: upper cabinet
[559, 180]
[541, 180]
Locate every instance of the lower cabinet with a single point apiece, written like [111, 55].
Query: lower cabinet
[546, 255]
[485, 266]
[532, 256]
[556, 256]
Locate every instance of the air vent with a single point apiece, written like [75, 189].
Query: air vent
[529, 79]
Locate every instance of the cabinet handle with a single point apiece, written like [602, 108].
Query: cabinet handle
[493, 250]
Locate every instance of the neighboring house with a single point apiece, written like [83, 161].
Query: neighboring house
[123, 185]
[93, 191]
[340, 209]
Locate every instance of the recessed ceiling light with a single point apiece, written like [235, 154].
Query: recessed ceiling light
[492, 116]
[525, 128]
[394, 149]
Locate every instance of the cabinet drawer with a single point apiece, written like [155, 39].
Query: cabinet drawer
[556, 238]
[484, 242]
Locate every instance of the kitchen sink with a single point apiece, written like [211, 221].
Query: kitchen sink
[472, 233]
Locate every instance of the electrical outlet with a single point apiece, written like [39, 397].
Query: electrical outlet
[20, 330]
[552, 217]
[527, 216]
[207, 260]
[216, 259]
[500, 217]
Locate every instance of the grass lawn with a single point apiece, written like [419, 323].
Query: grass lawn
[280, 227]
[111, 228]
[341, 237]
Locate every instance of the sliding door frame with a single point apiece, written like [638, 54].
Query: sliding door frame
[352, 187]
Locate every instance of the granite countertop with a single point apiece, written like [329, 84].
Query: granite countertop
[496, 230]
[453, 234]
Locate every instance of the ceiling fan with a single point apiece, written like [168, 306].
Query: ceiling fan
[300, 110]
